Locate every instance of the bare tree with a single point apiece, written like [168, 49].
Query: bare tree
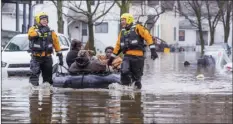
[60, 22]
[225, 8]
[165, 6]
[92, 16]
[192, 10]
[213, 15]
[123, 5]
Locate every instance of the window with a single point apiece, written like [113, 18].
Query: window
[181, 35]
[101, 27]
[174, 33]
[18, 44]
[84, 29]
[63, 41]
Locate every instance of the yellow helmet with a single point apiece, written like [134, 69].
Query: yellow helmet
[39, 16]
[128, 17]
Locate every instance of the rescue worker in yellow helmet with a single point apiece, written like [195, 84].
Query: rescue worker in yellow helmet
[42, 40]
[131, 43]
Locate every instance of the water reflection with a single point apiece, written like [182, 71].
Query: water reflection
[131, 108]
[88, 107]
[40, 106]
[118, 107]
[190, 100]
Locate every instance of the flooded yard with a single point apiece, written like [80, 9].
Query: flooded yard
[170, 93]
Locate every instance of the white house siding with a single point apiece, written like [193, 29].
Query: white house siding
[167, 24]
[112, 18]
[102, 39]
[110, 38]
[190, 39]
[75, 29]
[9, 22]
[9, 17]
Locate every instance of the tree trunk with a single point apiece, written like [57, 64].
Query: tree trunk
[226, 33]
[60, 22]
[91, 36]
[227, 24]
[201, 37]
[124, 7]
[212, 32]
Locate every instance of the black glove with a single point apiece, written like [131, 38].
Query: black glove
[44, 29]
[60, 56]
[110, 60]
[154, 55]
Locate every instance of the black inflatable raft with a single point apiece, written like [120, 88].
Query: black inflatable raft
[84, 80]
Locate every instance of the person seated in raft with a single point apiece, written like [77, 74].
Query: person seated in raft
[76, 46]
[85, 63]
[115, 65]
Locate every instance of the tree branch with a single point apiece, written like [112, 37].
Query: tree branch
[118, 3]
[79, 7]
[104, 13]
[96, 8]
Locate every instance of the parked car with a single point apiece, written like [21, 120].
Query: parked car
[16, 58]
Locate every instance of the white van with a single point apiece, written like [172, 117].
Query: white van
[16, 59]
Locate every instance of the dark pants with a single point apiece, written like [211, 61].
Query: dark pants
[41, 64]
[131, 69]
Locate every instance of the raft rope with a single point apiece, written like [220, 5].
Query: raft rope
[82, 80]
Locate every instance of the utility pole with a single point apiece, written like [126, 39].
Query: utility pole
[24, 29]
[30, 14]
[17, 15]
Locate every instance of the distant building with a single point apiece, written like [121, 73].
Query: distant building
[170, 26]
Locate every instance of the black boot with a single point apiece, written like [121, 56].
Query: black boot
[34, 80]
[138, 85]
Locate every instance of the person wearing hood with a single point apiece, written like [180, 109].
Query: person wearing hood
[84, 63]
[76, 46]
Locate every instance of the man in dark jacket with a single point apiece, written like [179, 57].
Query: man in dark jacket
[76, 46]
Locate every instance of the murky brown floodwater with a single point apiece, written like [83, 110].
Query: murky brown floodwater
[170, 94]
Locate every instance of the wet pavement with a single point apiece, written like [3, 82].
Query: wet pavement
[170, 93]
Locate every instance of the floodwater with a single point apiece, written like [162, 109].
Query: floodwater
[170, 93]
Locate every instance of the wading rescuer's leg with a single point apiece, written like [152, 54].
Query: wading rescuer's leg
[137, 65]
[46, 68]
[125, 71]
[35, 71]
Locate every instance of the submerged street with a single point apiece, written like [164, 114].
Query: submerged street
[170, 93]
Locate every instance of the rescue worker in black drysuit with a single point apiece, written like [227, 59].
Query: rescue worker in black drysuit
[42, 40]
[131, 43]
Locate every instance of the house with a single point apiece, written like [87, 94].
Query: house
[106, 32]
[169, 26]
[189, 34]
